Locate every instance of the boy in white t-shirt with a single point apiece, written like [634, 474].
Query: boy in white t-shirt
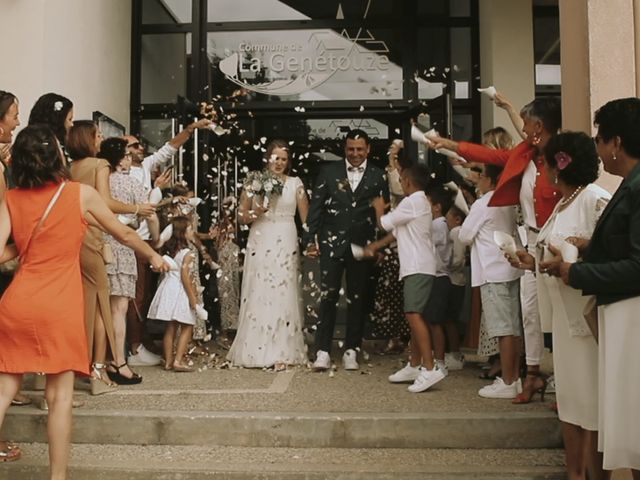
[410, 224]
[499, 282]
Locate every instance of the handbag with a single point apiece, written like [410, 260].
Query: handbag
[52, 202]
[590, 314]
[107, 254]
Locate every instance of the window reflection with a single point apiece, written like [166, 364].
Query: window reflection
[164, 67]
[166, 11]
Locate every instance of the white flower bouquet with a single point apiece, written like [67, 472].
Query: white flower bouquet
[263, 184]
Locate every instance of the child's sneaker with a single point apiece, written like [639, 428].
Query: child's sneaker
[499, 389]
[405, 374]
[426, 378]
[454, 361]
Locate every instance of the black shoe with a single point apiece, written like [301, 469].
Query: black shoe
[120, 379]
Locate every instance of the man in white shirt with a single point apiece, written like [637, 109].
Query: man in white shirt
[142, 168]
[410, 223]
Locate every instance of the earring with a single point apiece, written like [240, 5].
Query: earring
[536, 139]
[1, 131]
[555, 180]
[614, 158]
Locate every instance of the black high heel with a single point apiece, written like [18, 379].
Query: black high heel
[121, 379]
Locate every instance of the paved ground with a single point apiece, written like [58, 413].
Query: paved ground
[216, 387]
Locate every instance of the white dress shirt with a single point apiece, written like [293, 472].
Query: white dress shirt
[526, 195]
[410, 223]
[355, 174]
[142, 173]
[488, 264]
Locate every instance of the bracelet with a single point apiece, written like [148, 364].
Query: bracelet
[137, 209]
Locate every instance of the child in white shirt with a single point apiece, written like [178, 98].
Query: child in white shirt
[410, 224]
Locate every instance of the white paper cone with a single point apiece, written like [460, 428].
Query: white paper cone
[569, 252]
[505, 242]
[489, 91]
[195, 201]
[201, 313]
[155, 196]
[432, 134]
[357, 251]
[418, 136]
[451, 154]
[165, 235]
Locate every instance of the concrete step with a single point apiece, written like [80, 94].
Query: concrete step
[502, 430]
[134, 462]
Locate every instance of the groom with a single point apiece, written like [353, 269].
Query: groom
[340, 214]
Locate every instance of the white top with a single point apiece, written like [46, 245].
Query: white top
[143, 175]
[526, 195]
[444, 247]
[410, 223]
[355, 175]
[458, 259]
[577, 219]
[488, 264]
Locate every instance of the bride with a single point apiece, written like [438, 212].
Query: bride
[270, 321]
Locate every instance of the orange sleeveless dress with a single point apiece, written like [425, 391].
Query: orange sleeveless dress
[42, 327]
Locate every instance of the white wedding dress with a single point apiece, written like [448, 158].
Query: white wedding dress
[270, 320]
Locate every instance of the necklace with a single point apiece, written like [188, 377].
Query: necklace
[566, 201]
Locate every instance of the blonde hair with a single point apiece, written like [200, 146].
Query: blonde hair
[498, 138]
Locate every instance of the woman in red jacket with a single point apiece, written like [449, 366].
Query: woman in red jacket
[524, 182]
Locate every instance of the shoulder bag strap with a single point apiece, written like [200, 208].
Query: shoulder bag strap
[52, 202]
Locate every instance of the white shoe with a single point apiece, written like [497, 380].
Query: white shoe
[499, 389]
[551, 384]
[143, 358]
[425, 379]
[349, 360]
[322, 363]
[442, 366]
[405, 374]
[454, 361]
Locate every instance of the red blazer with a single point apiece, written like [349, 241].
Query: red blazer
[515, 162]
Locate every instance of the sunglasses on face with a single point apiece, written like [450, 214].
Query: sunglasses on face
[476, 169]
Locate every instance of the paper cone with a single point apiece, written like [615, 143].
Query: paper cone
[569, 252]
[505, 242]
[418, 136]
[489, 91]
[357, 251]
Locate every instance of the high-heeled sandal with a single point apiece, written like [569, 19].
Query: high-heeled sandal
[121, 379]
[99, 382]
[10, 452]
[529, 392]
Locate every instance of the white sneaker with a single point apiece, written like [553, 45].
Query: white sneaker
[143, 358]
[405, 374]
[454, 361]
[425, 379]
[442, 366]
[349, 360]
[322, 363]
[499, 389]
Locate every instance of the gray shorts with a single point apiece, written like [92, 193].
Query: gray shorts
[436, 310]
[416, 290]
[501, 306]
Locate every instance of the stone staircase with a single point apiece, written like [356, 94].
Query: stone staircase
[290, 430]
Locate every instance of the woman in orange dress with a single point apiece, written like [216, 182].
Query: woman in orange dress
[42, 325]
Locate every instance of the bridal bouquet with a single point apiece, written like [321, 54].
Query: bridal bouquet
[263, 184]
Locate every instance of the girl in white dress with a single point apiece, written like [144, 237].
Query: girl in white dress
[175, 300]
[572, 163]
[270, 321]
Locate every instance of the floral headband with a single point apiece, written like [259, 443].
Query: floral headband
[563, 160]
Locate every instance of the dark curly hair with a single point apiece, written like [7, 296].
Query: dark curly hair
[585, 164]
[6, 100]
[547, 110]
[36, 158]
[620, 118]
[113, 151]
[48, 111]
[81, 141]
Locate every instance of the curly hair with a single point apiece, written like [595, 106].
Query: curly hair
[81, 141]
[547, 110]
[178, 239]
[36, 158]
[620, 118]
[113, 150]
[584, 166]
[6, 100]
[51, 109]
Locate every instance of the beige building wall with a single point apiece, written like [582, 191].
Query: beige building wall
[78, 48]
[598, 60]
[506, 57]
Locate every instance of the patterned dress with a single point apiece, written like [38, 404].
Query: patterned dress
[123, 272]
